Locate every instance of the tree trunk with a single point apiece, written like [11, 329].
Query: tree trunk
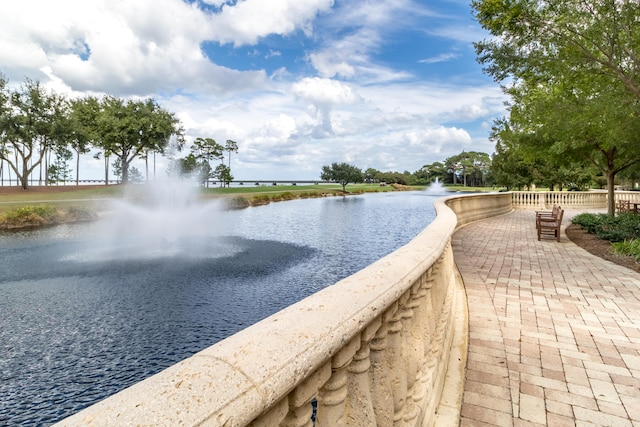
[77, 167]
[24, 181]
[611, 202]
[24, 177]
[106, 170]
[125, 170]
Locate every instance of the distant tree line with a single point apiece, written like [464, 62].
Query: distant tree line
[469, 168]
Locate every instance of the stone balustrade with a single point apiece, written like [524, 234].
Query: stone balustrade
[385, 346]
[631, 196]
[566, 199]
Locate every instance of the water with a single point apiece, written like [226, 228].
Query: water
[437, 189]
[85, 314]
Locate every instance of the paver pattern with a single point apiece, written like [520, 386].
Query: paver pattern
[554, 332]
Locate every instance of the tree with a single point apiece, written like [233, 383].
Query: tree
[429, 173]
[526, 158]
[134, 174]
[230, 146]
[342, 173]
[573, 73]
[59, 171]
[223, 174]
[371, 175]
[81, 129]
[592, 119]
[31, 123]
[471, 166]
[129, 129]
[187, 166]
[207, 150]
[544, 39]
[190, 166]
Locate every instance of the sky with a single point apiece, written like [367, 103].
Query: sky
[298, 84]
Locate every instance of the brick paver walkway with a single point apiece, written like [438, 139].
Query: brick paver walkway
[554, 332]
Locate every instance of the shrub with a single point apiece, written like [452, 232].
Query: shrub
[238, 202]
[612, 228]
[287, 195]
[31, 216]
[627, 248]
[587, 221]
[260, 199]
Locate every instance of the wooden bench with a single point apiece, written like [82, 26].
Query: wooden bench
[553, 213]
[549, 225]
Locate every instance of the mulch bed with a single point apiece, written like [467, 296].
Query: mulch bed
[599, 247]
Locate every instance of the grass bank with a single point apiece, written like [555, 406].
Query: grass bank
[40, 206]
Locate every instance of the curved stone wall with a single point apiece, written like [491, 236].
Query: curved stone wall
[372, 349]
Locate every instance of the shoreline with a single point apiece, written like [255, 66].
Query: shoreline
[25, 214]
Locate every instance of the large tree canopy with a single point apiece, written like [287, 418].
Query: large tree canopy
[31, 124]
[130, 129]
[542, 40]
[573, 73]
[342, 173]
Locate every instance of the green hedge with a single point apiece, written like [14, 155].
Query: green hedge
[617, 228]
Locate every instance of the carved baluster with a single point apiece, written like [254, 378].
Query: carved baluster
[332, 396]
[300, 409]
[438, 301]
[274, 416]
[442, 333]
[380, 372]
[409, 356]
[441, 300]
[396, 360]
[429, 332]
[359, 401]
[416, 388]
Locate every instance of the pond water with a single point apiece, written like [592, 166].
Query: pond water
[84, 315]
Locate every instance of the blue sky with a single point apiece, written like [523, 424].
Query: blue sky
[388, 84]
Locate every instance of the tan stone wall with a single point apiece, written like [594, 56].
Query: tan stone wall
[475, 207]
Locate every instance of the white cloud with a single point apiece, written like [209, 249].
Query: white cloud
[249, 20]
[467, 34]
[369, 22]
[443, 57]
[324, 91]
[324, 95]
[119, 47]
[388, 127]
[333, 102]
